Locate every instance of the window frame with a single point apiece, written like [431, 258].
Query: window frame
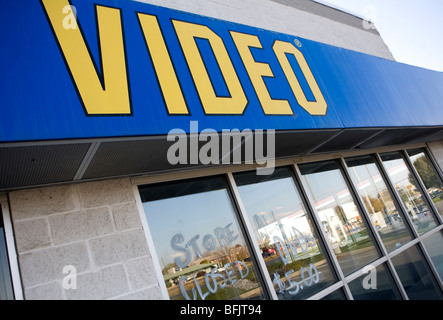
[342, 283]
[10, 247]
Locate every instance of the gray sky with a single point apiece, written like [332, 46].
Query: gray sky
[412, 29]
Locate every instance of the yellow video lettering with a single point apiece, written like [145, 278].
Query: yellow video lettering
[257, 71]
[172, 93]
[111, 96]
[236, 103]
[317, 107]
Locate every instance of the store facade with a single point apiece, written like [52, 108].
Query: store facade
[149, 153]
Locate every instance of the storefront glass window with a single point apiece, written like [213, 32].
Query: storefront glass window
[434, 246]
[384, 215]
[426, 171]
[415, 275]
[287, 239]
[408, 191]
[199, 242]
[348, 235]
[376, 283]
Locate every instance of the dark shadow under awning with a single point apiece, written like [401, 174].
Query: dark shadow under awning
[31, 164]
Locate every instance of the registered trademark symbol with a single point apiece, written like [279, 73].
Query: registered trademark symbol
[297, 43]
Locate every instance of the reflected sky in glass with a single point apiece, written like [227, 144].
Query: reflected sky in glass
[187, 215]
[199, 242]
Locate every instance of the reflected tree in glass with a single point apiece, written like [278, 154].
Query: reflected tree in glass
[286, 236]
[429, 176]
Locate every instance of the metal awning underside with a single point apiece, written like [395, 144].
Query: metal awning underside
[30, 164]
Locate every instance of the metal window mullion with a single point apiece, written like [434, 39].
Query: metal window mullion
[263, 270]
[431, 265]
[323, 237]
[358, 273]
[434, 162]
[397, 280]
[150, 242]
[397, 198]
[385, 252]
[328, 290]
[12, 256]
[408, 218]
[391, 266]
[318, 230]
[362, 208]
[438, 172]
[421, 185]
[398, 203]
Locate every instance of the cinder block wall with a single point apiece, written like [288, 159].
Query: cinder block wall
[94, 227]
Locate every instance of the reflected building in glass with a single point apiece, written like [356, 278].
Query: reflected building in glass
[340, 218]
[201, 258]
[291, 248]
[379, 203]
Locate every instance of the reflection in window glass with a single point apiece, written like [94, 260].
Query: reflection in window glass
[198, 241]
[339, 215]
[409, 192]
[336, 295]
[416, 276]
[375, 284]
[378, 202]
[289, 244]
[430, 178]
[434, 246]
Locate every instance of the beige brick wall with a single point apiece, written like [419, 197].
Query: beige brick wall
[92, 226]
